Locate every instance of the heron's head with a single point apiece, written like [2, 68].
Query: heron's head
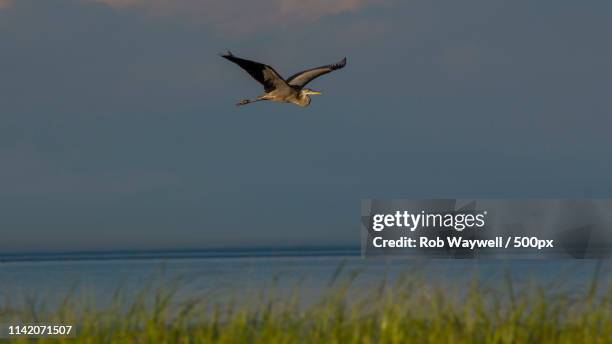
[308, 92]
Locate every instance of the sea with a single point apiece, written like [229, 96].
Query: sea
[47, 280]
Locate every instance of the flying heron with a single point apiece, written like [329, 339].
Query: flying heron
[281, 90]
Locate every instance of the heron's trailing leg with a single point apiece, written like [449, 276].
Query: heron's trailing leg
[249, 101]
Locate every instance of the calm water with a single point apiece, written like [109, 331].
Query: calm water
[223, 275]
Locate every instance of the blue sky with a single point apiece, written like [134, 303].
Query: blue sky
[119, 129]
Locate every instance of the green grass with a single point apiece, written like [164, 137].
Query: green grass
[407, 310]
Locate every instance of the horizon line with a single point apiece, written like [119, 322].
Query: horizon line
[186, 253]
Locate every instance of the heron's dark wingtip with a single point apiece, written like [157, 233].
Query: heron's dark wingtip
[226, 54]
[340, 64]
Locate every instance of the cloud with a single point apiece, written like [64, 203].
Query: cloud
[240, 16]
[318, 8]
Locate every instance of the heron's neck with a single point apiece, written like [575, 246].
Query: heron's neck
[303, 99]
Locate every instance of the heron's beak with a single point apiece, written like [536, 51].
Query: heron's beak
[316, 93]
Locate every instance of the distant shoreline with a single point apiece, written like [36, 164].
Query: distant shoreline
[263, 252]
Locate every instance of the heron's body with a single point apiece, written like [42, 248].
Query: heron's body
[291, 95]
[276, 88]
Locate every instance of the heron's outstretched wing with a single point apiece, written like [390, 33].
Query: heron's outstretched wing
[302, 78]
[265, 74]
